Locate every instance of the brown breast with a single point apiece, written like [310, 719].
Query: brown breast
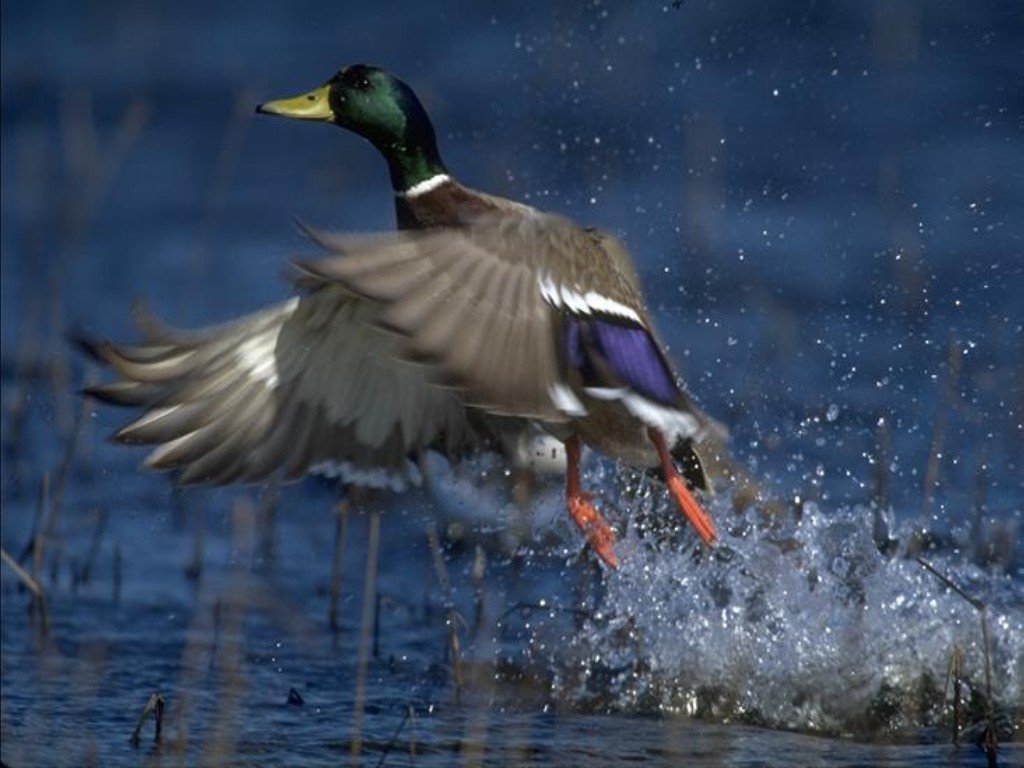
[448, 205]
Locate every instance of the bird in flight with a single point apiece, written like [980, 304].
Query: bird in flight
[479, 317]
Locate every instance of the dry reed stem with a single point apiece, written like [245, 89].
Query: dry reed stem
[369, 595]
[985, 550]
[179, 508]
[452, 617]
[477, 576]
[194, 570]
[376, 624]
[881, 531]
[931, 475]
[192, 670]
[989, 739]
[93, 168]
[117, 575]
[72, 440]
[228, 157]
[883, 449]
[92, 172]
[267, 514]
[83, 452]
[980, 482]
[85, 572]
[954, 676]
[17, 406]
[340, 529]
[218, 617]
[472, 747]
[224, 733]
[412, 732]
[35, 544]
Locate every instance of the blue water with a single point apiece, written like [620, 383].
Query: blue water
[823, 200]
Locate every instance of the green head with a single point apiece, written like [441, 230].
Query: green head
[378, 106]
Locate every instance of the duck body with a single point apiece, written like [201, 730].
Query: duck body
[479, 317]
[603, 421]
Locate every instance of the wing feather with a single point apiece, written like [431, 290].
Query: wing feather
[309, 382]
[471, 309]
[479, 305]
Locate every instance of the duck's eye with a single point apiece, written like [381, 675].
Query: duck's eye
[355, 78]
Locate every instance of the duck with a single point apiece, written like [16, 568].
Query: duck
[477, 315]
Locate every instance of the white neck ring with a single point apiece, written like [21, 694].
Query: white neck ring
[427, 185]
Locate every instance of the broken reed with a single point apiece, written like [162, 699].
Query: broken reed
[154, 706]
[989, 739]
[32, 585]
[409, 717]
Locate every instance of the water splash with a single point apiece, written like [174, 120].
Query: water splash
[805, 626]
[819, 621]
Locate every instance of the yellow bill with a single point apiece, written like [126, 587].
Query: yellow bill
[314, 105]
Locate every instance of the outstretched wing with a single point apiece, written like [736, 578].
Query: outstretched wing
[307, 385]
[523, 313]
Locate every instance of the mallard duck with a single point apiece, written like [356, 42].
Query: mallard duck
[479, 313]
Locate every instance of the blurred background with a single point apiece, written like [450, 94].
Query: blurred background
[824, 202]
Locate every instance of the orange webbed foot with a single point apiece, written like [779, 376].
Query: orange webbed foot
[694, 513]
[599, 534]
[699, 519]
[584, 514]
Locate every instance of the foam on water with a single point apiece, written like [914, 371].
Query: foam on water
[805, 626]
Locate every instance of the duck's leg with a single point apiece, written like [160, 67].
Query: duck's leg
[698, 518]
[584, 514]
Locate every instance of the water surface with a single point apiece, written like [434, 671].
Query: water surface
[824, 204]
